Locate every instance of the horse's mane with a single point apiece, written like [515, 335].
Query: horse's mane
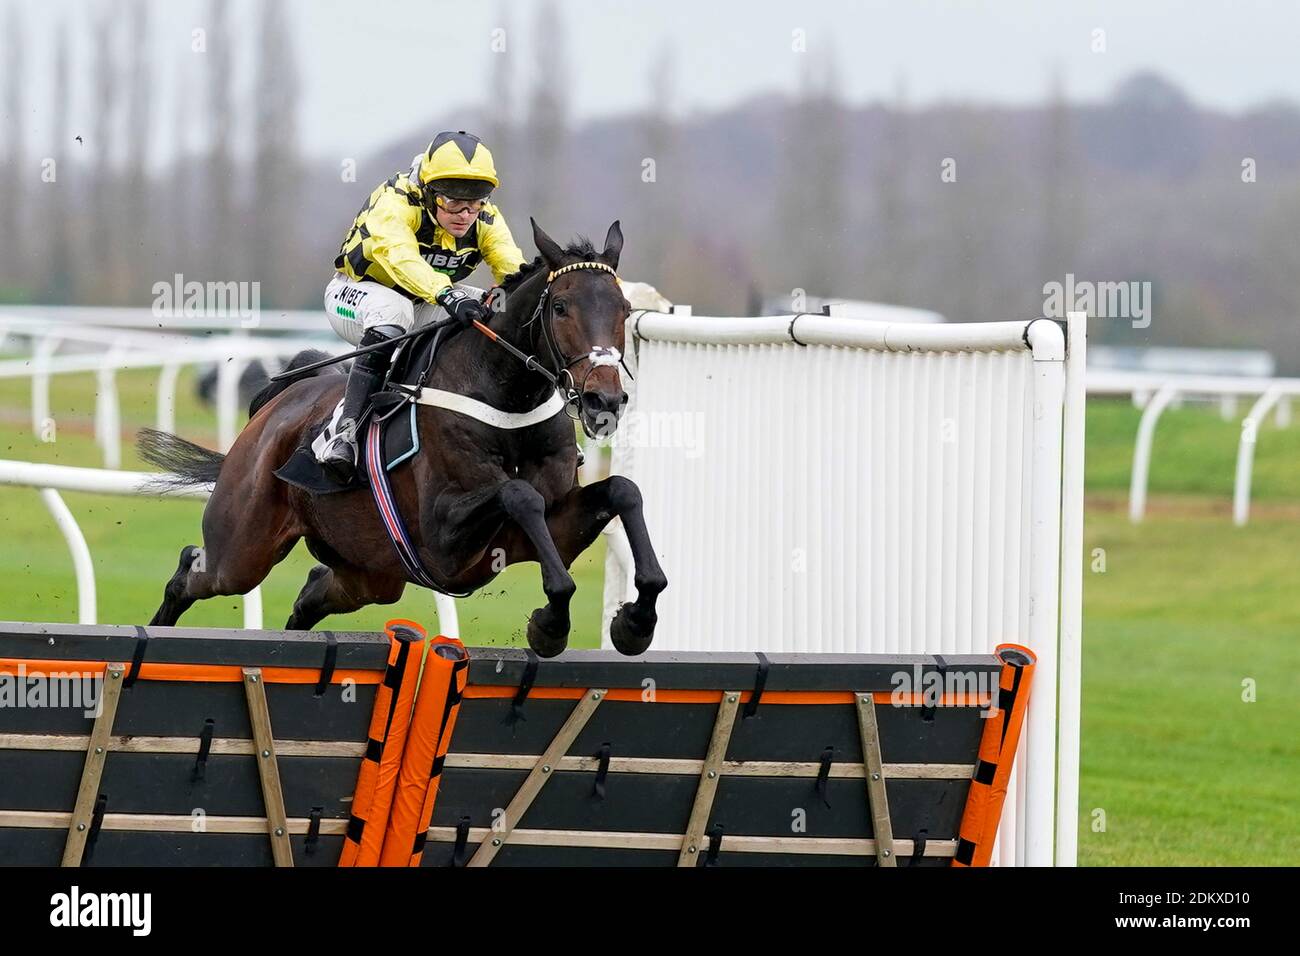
[579, 249]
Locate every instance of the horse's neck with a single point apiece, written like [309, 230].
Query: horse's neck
[474, 365]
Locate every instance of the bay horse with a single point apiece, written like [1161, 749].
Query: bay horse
[475, 499]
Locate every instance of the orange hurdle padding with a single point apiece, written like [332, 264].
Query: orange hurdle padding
[988, 788]
[389, 723]
[442, 685]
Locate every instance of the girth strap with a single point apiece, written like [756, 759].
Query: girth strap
[391, 516]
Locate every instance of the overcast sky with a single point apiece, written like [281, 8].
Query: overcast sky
[371, 70]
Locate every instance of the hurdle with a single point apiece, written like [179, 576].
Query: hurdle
[192, 746]
[818, 483]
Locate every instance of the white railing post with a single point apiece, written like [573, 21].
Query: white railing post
[1137, 493]
[108, 408]
[167, 396]
[1071, 665]
[44, 352]
[253, 609]
[448, 622]
[83, 567]
[1246, 454]
[228, 375]
[1047, 342]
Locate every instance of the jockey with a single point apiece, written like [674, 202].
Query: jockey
[420, 233]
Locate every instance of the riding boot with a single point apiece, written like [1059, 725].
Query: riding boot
[339, 460]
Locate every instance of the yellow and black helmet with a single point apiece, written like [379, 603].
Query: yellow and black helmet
[459, 166]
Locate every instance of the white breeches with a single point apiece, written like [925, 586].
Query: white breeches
[353, 307]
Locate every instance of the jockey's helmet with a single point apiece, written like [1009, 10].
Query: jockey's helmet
[457, 165]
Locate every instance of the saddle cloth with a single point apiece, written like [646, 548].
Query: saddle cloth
[400, 440]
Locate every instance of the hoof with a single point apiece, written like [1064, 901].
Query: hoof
[547, 636]
[632, 629]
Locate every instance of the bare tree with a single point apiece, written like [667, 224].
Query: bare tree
[500, 106]
[1061, 217]
[219, 224]
[547, 116]
[98, 170]
[658, 215]
[889, 273]
[58, 273]
[823, 189]
[138, 254]
[809, 195]
[12, 205]
[275, 155]
[181, 207]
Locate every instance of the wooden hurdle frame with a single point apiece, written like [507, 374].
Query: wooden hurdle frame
[497, 758]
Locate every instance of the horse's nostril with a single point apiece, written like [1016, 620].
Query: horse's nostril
[598, 403]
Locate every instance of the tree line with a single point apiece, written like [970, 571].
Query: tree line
[961, 207]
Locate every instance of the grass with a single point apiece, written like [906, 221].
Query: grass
[1186, 614]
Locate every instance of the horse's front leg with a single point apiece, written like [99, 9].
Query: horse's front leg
[579, 517]
[548, 627]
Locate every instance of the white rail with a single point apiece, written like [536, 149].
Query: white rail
[51, 479]
[269, 320]
[1246, 453]
[1161, 391]
[141, 350]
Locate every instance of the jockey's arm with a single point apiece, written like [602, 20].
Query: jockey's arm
[498, 247]
[392, 224]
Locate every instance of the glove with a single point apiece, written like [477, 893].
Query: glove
[462, 307]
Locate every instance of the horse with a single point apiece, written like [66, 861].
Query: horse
[477, 498]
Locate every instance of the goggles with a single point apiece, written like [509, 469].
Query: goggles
[457, 206]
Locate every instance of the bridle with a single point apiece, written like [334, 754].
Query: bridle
[562, 379]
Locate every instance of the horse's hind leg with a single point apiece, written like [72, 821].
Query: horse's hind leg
[339, 591]
[230, 562]
[204, 573]
[176, 596]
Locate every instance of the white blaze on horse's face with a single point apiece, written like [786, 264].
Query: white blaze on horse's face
[589, 324]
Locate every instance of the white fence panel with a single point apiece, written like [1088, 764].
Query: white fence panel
[819, 484]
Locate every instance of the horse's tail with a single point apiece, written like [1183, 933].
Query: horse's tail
[186, 463]
[272, 389]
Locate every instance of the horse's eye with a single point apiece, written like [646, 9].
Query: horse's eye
[558, 307]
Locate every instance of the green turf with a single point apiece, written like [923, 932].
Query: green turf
[1186, 610]
[1186, 772]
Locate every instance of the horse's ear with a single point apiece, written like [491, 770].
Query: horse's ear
[613, 245]
[547, 246]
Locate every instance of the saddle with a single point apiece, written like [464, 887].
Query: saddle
[390, 407]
